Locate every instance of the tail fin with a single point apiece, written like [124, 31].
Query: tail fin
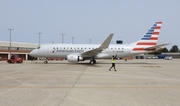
[149, 39]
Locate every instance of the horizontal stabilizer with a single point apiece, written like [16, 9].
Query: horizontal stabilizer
[157, 46]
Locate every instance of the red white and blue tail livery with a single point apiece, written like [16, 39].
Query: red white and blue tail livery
[81, 52]
[149, 39]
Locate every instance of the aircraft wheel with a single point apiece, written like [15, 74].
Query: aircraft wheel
[45, 62]
[92, 61]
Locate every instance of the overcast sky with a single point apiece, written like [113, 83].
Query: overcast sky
[88, 19]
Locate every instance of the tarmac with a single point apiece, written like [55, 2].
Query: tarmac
[138, 82]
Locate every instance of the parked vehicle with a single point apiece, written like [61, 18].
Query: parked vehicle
[168, 58]
[161, 56]
[15, 59]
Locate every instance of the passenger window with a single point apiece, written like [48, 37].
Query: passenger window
[38, 47]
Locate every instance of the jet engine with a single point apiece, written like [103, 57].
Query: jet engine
[74, 58]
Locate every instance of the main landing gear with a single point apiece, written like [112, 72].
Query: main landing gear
[93, 61]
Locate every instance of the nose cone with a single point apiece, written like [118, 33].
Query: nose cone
[32, 53]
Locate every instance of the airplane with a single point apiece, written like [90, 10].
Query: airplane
[82, 52]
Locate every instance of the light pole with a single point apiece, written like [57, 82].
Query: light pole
[10, 29]
[89, 41]
[39, 37]
[63, 38]
[72, 40]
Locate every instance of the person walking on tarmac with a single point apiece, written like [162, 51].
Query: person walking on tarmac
[113, 63]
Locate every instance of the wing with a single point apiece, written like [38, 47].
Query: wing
[102, 47]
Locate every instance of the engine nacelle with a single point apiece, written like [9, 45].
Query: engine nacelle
[74, 58]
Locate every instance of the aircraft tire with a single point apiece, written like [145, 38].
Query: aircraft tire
[45, 62]
[92, 61]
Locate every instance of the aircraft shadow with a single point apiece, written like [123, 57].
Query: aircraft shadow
[97, 64]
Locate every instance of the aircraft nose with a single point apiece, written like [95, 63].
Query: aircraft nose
[32, 53]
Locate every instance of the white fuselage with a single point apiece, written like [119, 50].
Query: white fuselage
[63, 50]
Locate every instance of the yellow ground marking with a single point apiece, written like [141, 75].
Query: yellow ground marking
[151, 66]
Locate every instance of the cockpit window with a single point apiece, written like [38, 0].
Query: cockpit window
[38, 47]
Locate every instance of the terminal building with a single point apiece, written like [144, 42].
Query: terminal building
[17, 48]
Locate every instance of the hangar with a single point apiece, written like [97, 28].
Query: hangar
[17, 48]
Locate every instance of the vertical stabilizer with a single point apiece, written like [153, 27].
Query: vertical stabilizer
[149, 39]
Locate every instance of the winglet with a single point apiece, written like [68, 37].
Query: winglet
[106, 43]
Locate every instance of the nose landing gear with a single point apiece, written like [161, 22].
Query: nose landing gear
[45, 62]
